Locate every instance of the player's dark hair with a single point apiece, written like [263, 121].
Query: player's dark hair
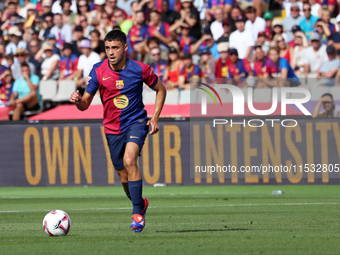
[327, 94]
[116, 35]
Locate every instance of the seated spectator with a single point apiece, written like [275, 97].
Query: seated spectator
[105, 25]
[78, 36]
[307, 23]
[212, 5]
[6, 85]
[25, 93]
[326, 17]
[239, 69]
[85, 63]
[27, 10]
[185, 41]
[158, 64]
[316, 8]
[288, 4]
[167, 15]
[190, 74]
[147, 6]
[191, 16]
[84, 10]
[15, 42]
[260, 62]
[314, 55]
[216, 26]
[206, 42]
[263, 41]
[268, 17]
[124, 23]
[242, 39]
[61, 31]
[301, 44]
[279, 69]
[290, 21]
[330, 109]
[286, 51]
[221, 66]
[50, 64]
[46, 8]
[174, 66]
[57, 8]
[9, 60]
[159, 29]
[335, 38]
[260, 5]
[22, 55]
[323, 30]
[68, 63]
[278, 29]
[254, 24]
[226, 32]
[68, 15]
[329, 68]
[34, 46]
[48, 19]
[234, 13]
[208, 66]
[85, 25]
[51, 39]
[97, 45]
[154, 42]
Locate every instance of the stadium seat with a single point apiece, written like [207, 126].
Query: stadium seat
[48, 89]
[318, 92]
[96, 99]
[262, 95]
[172, 97]
[65, 89]
[335, 91]
[149, 97]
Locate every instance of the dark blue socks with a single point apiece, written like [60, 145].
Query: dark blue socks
[135, 188]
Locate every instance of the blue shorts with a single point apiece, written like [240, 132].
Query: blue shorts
[136, 133]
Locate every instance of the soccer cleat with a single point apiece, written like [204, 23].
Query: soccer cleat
[146, 204]
[138, 223]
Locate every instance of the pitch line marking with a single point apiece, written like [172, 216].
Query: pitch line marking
[186, 206]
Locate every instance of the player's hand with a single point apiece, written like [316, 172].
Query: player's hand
[154, 126]
[75, 97]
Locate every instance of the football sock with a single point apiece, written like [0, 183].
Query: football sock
[135, 188]
[128, 195]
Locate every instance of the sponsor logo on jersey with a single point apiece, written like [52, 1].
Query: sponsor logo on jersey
[121, 101]
[120, 84]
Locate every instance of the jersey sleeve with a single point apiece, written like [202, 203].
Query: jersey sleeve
[284, 64]
[92, 83]
[148, 75]
[246, 65]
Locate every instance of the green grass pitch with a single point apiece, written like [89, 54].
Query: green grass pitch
[180, 220]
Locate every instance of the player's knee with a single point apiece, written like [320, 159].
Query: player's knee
[129, 162]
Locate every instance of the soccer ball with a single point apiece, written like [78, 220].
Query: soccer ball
[57, 223]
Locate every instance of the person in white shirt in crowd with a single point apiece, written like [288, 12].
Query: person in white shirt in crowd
[61, 31]
[316, 8]
[216, 27]
[241, 39]
[302, 43]
[27, 8]
[56, 7]
[314, 56]
[50, 64]
[85, 62]
[254, 24]
[288, 4]
[278, 29]
[329, 69]
[292, 20]
[15, 42]
[22, 57]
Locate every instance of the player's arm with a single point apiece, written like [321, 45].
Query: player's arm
[160, 99]
[82, 102]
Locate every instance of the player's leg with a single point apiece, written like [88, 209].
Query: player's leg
[123, 175]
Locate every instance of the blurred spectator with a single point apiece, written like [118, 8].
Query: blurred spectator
[234, 13]
[329, 68]
[61, 31]
[134, 9]
[260, 63]
[49, 24]
[278, 29]
[221, 66]
[57, 7]
[191, 16]
[105, 25]
[326, 17]
[268, 17]
[68, 15]
[47, 8]
[316, 8]
[33, 47]
[242, 39]
[185, 41]
[216, 27]
[323, 30]
[286, 51]
[9, 60]
[136, 39]
[68, 63]
[158, 28]
[211, 5]
[279, 69]
[307, 23]
[260, 5]
[10, 11]
[6, 85]
[190, 74]
[147, 6]
[85, 62]
[25, 93]
[288, 6]
[169, 16]
[314, 55]
[22, 57]
[254, 24]
[50, 64]
[51, 39]
[208, 66]
[301, 44]
[335, 38]
[263, 41]
[111, 7]
[206, 42]
[78, 36]
[83, 9]
[154, 42]
[158, 64]
[174, 66]
[226, 32]
[15, 42]
[330, 109]
[239, 68]
[290, 21]
[125, 24]
[27, 10]
[97, 45]
[126, 6]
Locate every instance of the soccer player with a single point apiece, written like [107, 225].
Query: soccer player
[120, 83]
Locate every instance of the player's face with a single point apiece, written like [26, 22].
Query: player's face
[115, 51]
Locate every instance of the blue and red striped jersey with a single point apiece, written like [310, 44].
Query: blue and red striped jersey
[159, 68]
[68, 65]
[193, 72]
[137, 35]
[185, 47]
[121, 93]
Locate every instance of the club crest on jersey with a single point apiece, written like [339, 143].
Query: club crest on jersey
[121, 101]
[120, 84]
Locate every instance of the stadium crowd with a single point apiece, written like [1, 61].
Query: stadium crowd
[234, 41]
